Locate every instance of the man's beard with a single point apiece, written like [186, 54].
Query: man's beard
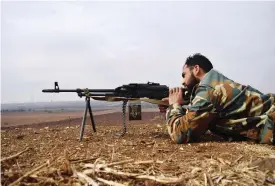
[193, 82]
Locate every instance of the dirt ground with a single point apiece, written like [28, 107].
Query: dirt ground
[53, 155]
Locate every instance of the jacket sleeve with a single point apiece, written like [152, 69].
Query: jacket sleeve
[186, 124]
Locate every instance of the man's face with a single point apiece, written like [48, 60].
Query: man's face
[189, 79]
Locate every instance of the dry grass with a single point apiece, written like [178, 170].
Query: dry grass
[144, 156]
[209, 171]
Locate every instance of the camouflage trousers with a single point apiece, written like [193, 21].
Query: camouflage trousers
[263, 133]
[267, 133]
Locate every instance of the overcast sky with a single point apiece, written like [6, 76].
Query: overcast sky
[105, 45]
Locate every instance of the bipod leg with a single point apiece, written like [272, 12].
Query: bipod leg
[123, 119]
[83, 120]
[91, 114]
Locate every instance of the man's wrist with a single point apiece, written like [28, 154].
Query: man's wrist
[174, 109]
[175, 104]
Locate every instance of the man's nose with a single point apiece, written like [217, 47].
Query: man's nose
[183, 82]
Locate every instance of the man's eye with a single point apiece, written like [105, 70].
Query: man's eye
[183, 75]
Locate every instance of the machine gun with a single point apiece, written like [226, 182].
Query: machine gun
[149, 92]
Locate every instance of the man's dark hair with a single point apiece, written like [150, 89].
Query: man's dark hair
[198, 59]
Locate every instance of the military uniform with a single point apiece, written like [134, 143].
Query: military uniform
[226, 108]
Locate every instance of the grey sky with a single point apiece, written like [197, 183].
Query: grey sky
[105, 45]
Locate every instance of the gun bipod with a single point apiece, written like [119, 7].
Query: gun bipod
[88, 107]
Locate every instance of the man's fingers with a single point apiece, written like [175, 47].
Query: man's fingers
[171, 91]
[180, 90]
[165, 99]
[175, 90]
[175, 95]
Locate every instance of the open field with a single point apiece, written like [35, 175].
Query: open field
[144, 156]
[26, 118]
[12, 119]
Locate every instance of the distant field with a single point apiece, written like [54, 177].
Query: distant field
[22, 118]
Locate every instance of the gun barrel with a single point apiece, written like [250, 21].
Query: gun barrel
[76, 90]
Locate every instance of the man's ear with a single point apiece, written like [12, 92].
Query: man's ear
[196, 70]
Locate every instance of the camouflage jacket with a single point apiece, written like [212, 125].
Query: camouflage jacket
[226, 108]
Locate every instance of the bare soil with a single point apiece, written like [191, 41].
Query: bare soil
[56, 144]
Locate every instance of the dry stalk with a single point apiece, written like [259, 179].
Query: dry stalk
[15, 155]
[29, 173]
[120, 162]
[75, 175]
[18, 166]
[112, 156]
[90, 165]
[82, 160]
[169, 158]
[149, 143]
[226, 181]
[240, 183]
[219, 179]
[210, 180]
[109, 182]
[53, 149]
[236, 161]
[44, 179]
[66, 165]
[254, 182]
[109, 170]
[195, 170]
[222, 161]
[148, 162]
[60, 175]
[163, 180]
[205, 179]
[154, 147]
[94, 167]
[88, 179]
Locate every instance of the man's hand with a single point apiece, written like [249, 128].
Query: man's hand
[175, 96]
[162, 108]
